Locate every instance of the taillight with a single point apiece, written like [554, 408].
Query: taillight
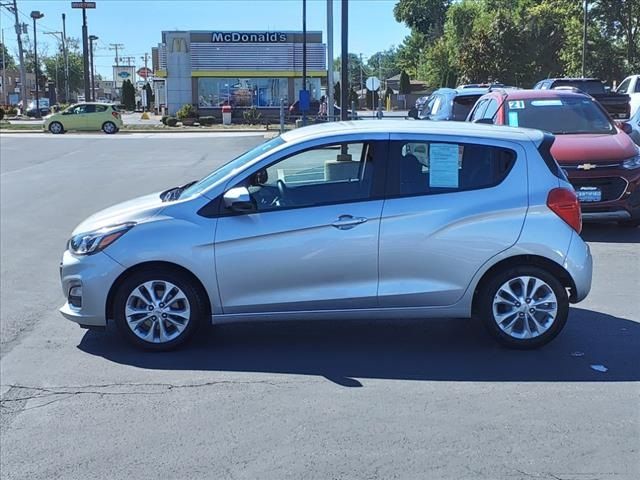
[564, 203]
[115, 114]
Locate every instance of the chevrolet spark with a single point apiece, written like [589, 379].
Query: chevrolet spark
[384, 219]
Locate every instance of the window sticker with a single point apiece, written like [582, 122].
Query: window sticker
[443, 165]
[513, 119]
[546, 103]
[516, 105]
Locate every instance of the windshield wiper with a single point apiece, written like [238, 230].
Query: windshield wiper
[175, 192]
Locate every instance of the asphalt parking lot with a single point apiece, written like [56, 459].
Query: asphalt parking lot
[330, 400]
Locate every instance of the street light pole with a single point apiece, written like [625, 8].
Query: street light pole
[36, 15]
[66, 58]
[85, 55]
[344, 74]
[304, 59]
[92, 38]
[584, 38]
[330, 99]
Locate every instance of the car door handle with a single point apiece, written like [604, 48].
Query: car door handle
[345, 222]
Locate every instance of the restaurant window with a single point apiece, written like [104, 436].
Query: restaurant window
[313, 85]
[241, 92]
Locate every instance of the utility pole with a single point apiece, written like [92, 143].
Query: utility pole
[584, 38]
[55, 34]
[66, 58]
[330, 99]
[344, 80]
[116, 47]
[85, 56]
[361, 74]
[146, 61]
[304, 59]
[128, 60]
[4, 72]
[23, 73]
[92, 38]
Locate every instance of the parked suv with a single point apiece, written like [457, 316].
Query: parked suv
[602, 162]
[449, 104]
[384, 219]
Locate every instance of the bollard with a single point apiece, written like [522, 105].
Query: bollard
[226, 114]
[282, 115]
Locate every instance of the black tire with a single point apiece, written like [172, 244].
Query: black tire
[109, 128]
[489, 291]
[56, 128]
[197, 303]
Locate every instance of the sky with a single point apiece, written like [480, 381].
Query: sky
[138, 23]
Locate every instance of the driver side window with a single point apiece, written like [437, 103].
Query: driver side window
[337, 173]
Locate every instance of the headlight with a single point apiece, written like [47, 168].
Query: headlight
[633, 162]
[98, 240]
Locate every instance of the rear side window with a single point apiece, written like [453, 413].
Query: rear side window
[89, 108]
[462, 105]
[478, 111]
[101, 108]
[428, 168]
[492, 109]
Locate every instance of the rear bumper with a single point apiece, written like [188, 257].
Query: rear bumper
[579, 264]
[613, 215]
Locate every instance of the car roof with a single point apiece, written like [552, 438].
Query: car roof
[574, 79]
[463, 91]
[364, 127]
[535, 94]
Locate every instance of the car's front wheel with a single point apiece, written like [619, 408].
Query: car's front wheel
[109, 128]
[523, 307]
[159, 309]
[56, 128]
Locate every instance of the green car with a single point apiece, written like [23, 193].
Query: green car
[85, 116]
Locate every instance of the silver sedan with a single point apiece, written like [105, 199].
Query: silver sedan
[384, 219]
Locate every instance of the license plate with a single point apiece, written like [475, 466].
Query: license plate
[589, 194]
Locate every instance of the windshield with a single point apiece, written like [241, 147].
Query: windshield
[559, 115]
[592, 87]
[231, 167]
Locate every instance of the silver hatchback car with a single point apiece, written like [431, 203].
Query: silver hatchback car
[376, 219]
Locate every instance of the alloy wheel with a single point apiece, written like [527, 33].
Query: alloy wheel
[157, 311]
[525, 307]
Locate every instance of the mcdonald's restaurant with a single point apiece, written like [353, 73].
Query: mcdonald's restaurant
[210, 69]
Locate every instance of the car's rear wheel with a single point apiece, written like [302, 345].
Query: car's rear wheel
[56, 128]
[159, 309]
[523, 307]
[109, 128]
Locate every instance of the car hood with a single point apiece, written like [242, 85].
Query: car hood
[594, 148]
[136, 210]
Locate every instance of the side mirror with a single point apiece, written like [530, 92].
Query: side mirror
[487, 121]
[413, 113]
[625, 127]
[239, 200]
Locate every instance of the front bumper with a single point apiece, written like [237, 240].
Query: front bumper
[95, 274]
[620, 193]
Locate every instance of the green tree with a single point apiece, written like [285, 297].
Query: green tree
[355, 67]
[150, 96]
[405, 84]
[10, 62]
[426, 17]
[128, 95]
[384, 64]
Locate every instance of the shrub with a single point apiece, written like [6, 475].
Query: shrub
[209, 120]
[186, 111]
[12, 111]
[252, 116]
[164, 119]
[1, 113]
[172, 122]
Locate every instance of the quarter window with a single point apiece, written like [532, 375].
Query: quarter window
[427, 168]
[479, 110]
[492, 109]
[101, 108]
[624, 86]
[338, 173]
